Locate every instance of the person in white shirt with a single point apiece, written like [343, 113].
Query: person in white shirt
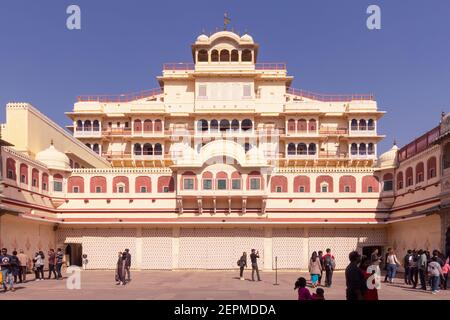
[392, 264]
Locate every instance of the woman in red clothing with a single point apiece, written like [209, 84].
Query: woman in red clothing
[369, 294]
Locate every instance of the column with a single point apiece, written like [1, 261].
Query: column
[175, 247]
[139, 248]
[269, 262]
[305, 247]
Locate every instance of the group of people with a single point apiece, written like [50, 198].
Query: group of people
[242, 263]
[14, 267]
[123, 268]
[431, 269]
[319, 263]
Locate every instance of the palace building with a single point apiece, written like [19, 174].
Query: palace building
[224, 156]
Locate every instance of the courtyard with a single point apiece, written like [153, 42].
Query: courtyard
[198, 285]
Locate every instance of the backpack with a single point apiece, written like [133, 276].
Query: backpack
[239, 262]
[329, 263]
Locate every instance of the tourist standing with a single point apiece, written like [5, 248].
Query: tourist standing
[375, 258]
[120, 269]
[330, 264]
[413, 269]
[386, 264]
[39, 265]
[15, 265]
[354, 278]
[242, 263]
[59, 257]
[445, 270]
[320, 255]
[392, 263]
[370, 293]
[24, 262]
[303, 292]
[128, 264]
[254, 256]
[435, 272]
[51, 264]
[315, 268]
[422, 267]
[407, 267]
[5, 266]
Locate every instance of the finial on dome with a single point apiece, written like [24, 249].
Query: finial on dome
[51, 142]
[442, 115]
[394, 142]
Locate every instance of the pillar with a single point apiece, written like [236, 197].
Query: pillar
[175, 247]
[305, 246]
[269, 262]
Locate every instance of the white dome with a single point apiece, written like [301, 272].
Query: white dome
[202, 37]
[54, 159]
[247, 37]
[389, 158]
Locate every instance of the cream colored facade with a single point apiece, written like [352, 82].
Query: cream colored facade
[224, 157]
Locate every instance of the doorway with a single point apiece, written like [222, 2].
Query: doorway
[73, 254]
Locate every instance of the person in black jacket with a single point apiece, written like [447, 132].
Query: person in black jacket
[354, 278]
[128, 264]
[253, 257]
[242, 263]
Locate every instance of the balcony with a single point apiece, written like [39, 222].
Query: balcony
[330, 97]
[354, 132]
[116, 132]
[364, 156]
[117, 155]
[87, 133]
[154, 133]
[222, 193]
[301, 156]
[124, 97]
[327, 131]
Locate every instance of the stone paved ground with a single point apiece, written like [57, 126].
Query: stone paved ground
[196, 285]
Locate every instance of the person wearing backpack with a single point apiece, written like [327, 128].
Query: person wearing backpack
[242, 263]
[329, 264]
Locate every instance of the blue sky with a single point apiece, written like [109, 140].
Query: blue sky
[326, 45]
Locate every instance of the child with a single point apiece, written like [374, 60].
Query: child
[319, 295]
[303, 292]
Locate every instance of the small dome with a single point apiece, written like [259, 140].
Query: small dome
[247, 37]
[389, 158]
[202, 38]
[54, 159]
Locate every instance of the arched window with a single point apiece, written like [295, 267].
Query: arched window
[246, 124]
[247, 55]
[120, 184]
[347, 184]
[247, 147]
[96, 148]
[388, 182]
[301, 125]
[202, 125]
[255, 181]
[23, 173]
[399, 180]
[148, 125]
[214, 125]
[324, 181]
[354, 149]
[291, 150]
[97, 185]
[312, 125]
[166, 184]
[371, 124]
[301, 184]
[202, 55]
[158, 125]
[235, 125]
[221, 180]
[354, 124]
[143, 185]
[45, 181]
[234, 55]
[362, 124]
[236, 181]
[370, 149]
[158, 149]
[137, 149]
[312, 149]
[370, 184]
[278, 184]
[214, 55]
[291, 125]
[224, 125]
[409, 177]
[188, 181]
[224, 55]
[147, 150]
[137, 125]
[96, 125]
[446, 156]
[79, 125]
[87, 125]
[431, 168]
[207, 180]
[420, 172]
[35, 178]
[302, 149]
[362, 149]
[75, 185]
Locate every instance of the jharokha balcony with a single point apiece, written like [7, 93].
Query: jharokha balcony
[300, 93]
